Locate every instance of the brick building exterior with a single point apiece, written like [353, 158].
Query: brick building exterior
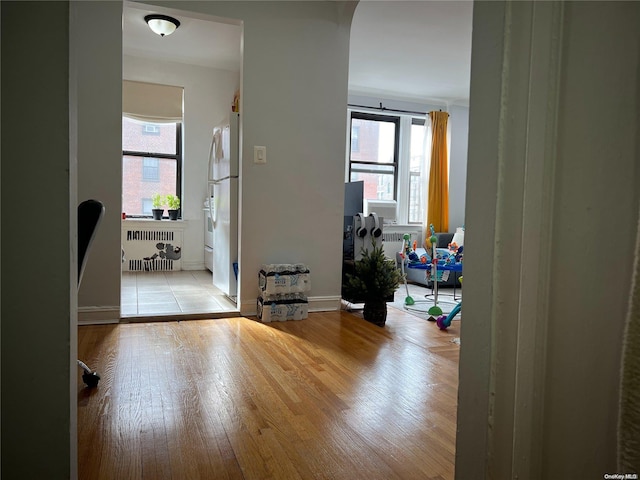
[142, 176]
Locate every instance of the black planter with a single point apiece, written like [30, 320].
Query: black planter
[173, 214]
[157, 213]
[375, 311]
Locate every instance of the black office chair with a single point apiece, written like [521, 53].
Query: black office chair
[90, 213]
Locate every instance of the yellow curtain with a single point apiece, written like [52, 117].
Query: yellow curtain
[438, 206]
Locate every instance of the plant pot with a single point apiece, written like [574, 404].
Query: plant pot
[375, 311]
[157, 213]
[173, 214]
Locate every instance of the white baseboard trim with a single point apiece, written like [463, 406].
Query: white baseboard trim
[327, 303]
[249, 308]
[98, 315]
[193, 266]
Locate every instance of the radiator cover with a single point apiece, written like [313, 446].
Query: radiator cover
[151, 249]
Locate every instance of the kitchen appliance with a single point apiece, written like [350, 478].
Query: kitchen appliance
[208, 234]
[223, 189]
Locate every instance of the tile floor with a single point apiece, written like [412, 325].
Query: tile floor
[171, 293]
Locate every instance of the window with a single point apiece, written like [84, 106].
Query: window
[150, 164]
[375, 161]
[147, 206]
[416, 163]
[151, 169]
[150, 129]
[355, 138]
[388, 153]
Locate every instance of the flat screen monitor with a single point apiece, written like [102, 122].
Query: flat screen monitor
[353, 198]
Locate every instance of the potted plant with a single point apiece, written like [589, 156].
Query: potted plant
[374, 280]
[173, 202]
[157, 202]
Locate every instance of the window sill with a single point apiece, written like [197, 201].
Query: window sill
[147, 222]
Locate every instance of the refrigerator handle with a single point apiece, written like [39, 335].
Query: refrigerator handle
[209, 171]
[213, 212]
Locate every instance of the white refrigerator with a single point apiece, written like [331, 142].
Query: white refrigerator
[223, 188]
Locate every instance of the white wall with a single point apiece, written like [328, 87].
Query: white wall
[459, 120]
[293, 101]
[294, 93]
[554, 102]
[459, 132]
[208, 94]
[38, 255]
[601, 79]
[99, 149]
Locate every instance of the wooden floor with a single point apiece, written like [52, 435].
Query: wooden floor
[329, 397]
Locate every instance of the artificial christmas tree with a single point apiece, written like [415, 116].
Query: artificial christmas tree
[375, 279]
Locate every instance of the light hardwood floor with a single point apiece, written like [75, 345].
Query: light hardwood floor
[329, 397]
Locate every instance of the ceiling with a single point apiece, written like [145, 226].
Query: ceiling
[412, 50]
[198, 40]
[405, 50]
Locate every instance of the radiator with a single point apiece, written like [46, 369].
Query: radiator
[393, 238]
[151, 249]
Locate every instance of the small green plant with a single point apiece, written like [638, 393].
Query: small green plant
[173, 201]
[157, 200]
[375, 278]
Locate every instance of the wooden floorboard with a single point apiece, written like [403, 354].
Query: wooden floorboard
[329, 397]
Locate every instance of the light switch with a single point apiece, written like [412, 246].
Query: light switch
[259, 154]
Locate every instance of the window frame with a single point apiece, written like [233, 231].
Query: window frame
[396, 147]
[403, 172]
[177, 157]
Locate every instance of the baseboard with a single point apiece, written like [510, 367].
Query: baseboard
[98, 315]
[327, 303]
[193, 265]
[249, 308]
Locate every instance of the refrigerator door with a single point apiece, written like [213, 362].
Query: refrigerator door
[225, 236]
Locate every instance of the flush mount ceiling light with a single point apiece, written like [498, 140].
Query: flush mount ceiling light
[162, 24]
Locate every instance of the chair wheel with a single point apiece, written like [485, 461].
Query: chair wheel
[91, 379]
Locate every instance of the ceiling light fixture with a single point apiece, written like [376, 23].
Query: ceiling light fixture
[162, 24]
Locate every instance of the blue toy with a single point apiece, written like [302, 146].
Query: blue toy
[444, 321]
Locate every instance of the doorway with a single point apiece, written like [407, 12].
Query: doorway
[157, 284]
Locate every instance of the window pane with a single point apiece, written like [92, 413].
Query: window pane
[417, 147]
[151, 169]
[148, 137]
[147, 206]
[417, 187]
[376, 185]
[135, 190]
[415, 199]
[375, 140]
[355, 138]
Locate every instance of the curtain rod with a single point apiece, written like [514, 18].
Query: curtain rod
[385, 109]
